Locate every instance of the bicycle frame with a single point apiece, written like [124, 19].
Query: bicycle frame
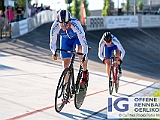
[114, 80]
[71, 87]
[115, 67]
[73, 52]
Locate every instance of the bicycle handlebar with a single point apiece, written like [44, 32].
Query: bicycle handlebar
[68, 51]
[72, 52]
[114, 57]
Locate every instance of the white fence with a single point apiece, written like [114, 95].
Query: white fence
[92, 23]
[27, 25]
[113, 22]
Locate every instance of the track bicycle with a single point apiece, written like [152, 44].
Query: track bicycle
[70, 89]
[113, 77]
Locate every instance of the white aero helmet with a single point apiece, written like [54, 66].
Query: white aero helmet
[64, 16]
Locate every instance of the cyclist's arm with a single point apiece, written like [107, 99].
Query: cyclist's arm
[101, 49]
[53, 36]
[119, 46]
[77, 28]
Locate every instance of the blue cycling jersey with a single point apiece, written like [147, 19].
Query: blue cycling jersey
[74, 32]
[105, 50]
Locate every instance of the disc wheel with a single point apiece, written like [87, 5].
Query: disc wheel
[79, 94]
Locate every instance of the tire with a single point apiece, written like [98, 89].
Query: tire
[79, 95]
[117, 81]
[117, 86]
[111, 81]
[60, 96]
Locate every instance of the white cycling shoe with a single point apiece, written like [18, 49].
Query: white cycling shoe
[120, 74]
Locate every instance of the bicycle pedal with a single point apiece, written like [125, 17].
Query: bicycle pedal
[83, 89]
[73, 91]
[67, 101]
[77, 91]
[72, 96]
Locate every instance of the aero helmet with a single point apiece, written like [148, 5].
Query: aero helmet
[107, 36]
[64, 16]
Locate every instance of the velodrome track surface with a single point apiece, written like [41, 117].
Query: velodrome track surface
[141, 46]
[141, 62]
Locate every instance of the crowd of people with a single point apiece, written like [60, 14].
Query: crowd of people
[19, 13]
[33, 9]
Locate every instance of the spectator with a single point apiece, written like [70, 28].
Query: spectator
[29, 10]
[10, 14]
[40, 8]
[48, 8]
[19, 12]
[2, 16]
[33, 10]
[36, 8]
[2, 19]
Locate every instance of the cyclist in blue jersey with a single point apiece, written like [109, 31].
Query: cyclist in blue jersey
[107, 44]
[72, 36]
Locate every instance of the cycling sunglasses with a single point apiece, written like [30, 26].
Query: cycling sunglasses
[63, 24]
[108, 41]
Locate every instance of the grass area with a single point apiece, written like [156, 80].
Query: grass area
[139, 119]
[156, 94]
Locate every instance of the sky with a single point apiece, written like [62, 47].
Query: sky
[60, 4]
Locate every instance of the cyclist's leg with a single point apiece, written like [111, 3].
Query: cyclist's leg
[118, 53]
[85, 76]
[66, 57]
[80, 57]
[107, 54]
[85, 70]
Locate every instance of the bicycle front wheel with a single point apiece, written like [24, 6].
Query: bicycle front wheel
[61, 96]
[116, 81]
[111, 81]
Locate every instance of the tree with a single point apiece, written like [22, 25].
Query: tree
[23, 2]
[140, 5]
[127, 6]
[107, 7]
[75, 9]
[68, 1]
[69, 6]
[86, 7]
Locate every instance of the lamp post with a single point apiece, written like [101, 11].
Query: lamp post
[135, 7]
[26, 9]
[150, 3]
[55, 4]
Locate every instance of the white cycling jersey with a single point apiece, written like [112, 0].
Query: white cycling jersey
[73, 32]
[116, 42]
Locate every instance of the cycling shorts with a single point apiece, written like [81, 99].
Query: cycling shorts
[68, 44]
[108, 51]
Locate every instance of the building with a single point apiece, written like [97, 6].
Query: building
[96, 12]
[149, 5]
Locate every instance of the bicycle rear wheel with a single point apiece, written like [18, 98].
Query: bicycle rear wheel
[79, 95]
[111, 81]
[61, 96]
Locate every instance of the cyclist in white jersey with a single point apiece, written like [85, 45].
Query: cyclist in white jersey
[107, 44]
[72, 36]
